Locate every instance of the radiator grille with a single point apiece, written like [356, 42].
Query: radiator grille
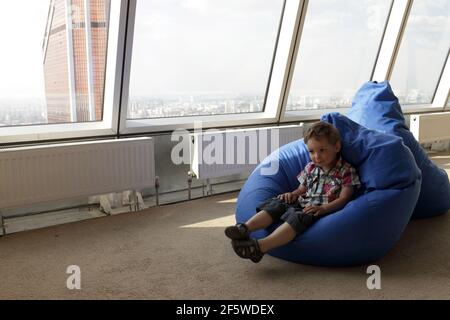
[230, 157]
[40, 174]
[430, 127]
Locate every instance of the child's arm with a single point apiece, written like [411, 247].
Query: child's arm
[300, 190]
[291, 197]
[344, 197]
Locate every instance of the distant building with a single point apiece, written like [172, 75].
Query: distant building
[74, 58]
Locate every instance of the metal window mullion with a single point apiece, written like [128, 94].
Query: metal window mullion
[443, 89]
[115, 64]
[89, 60]
[297, 31]
[392, 39]
[272, 66]
[70, 62]
[128, 52]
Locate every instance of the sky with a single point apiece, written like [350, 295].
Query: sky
[339, 46]
[22, 29]
[215, 46]
[424, 47]
[198, 46]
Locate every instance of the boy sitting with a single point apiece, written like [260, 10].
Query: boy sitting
[326, 185]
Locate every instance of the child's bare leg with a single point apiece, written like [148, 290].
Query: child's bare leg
[261, 220]
[281, 236]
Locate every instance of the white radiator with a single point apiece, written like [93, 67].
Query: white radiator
[430, 127]
[224, 153]
[31, 175]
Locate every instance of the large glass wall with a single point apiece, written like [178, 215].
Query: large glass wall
[53, 66]
[193, 57]
[423, 52]
[337, 52]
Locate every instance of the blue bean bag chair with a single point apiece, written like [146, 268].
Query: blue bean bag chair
[369, 225]
[375, 106]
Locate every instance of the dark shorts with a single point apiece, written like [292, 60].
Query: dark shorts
[290, 213]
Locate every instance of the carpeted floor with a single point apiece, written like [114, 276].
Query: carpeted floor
[180, 252]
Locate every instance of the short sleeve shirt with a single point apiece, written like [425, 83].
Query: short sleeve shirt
[324, 187]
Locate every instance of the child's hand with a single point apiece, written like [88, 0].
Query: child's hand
[288, 197]
[315, 210]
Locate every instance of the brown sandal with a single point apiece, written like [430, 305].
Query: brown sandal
[238, 232]
[248, 249]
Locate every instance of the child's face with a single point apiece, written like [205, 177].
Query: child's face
[322, 152]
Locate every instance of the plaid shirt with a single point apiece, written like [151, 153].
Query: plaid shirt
[325, 187]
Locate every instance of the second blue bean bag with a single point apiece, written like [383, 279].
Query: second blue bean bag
[375, 106]
[368, 226]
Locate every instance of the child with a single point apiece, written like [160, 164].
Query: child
[326, 185]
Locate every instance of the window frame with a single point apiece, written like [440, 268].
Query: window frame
[390, 47]
[275, 85]
[113, 79]
[309, 115]
[120, 41]
[442, 96]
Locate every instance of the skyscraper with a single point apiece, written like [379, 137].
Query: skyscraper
[74, 57]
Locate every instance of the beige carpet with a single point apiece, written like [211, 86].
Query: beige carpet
[180, 252]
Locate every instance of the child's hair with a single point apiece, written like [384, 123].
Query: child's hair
[323, 130]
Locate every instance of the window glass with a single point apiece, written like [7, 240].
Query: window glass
[423, 52]
[201, 57]
[53, 67]
[337, 52]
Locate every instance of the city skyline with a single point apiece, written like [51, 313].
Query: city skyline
[30, 112]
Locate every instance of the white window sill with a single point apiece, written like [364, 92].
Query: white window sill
[17, 134]
[192, 122]
[310, 115]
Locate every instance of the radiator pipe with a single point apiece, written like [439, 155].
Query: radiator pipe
[190, 175]
[136, 201]
[2, 222]
[92, 205]
[157, 190]
[209, 191]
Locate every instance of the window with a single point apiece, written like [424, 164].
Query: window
[337, 52]
[201, 57]
[423, 52]
[52, 73]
